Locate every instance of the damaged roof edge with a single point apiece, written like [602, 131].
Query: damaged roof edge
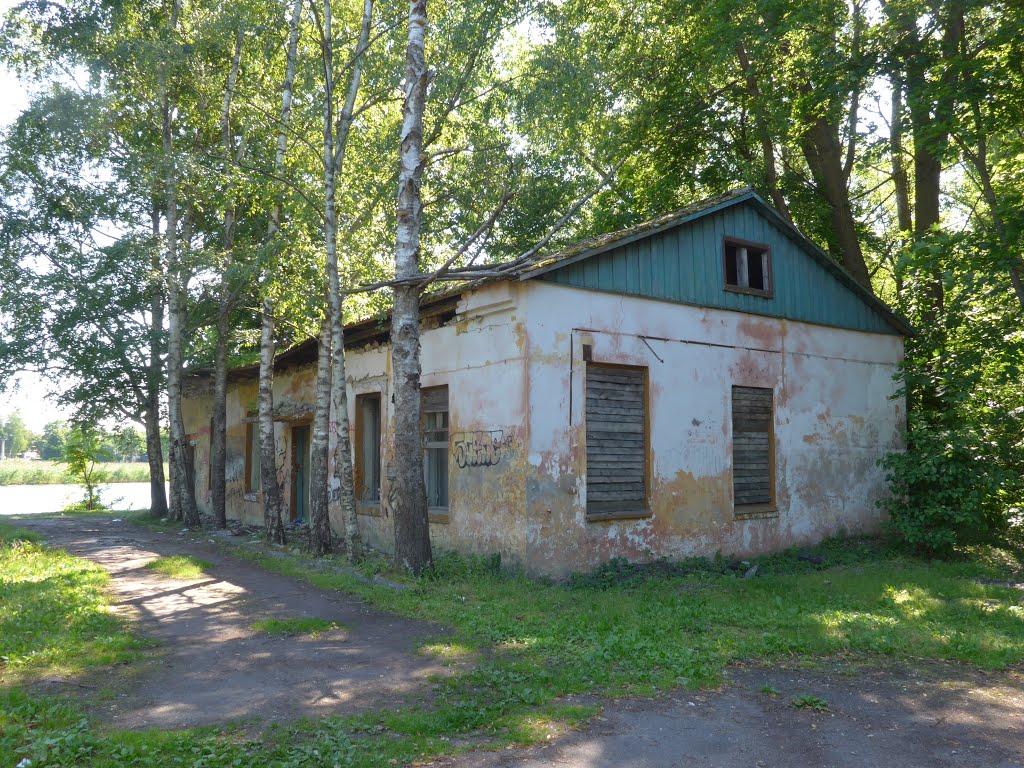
[358, 333]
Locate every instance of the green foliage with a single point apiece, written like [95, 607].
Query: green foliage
[83, 451]
[23, 472]
[180, 567]
[16, 433]
[946, 489]
[961, 478]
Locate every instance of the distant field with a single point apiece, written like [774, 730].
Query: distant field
[22, 472]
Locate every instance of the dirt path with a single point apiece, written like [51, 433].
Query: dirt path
[214, 668]
[940, 715]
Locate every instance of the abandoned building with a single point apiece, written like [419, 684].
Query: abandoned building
[706, 381]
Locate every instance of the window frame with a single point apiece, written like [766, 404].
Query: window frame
[762, 508]
[359, 466]
[624, 514]
[438, 513]
[768, 293]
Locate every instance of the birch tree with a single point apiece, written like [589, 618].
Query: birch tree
[409, 505]
[272, 504]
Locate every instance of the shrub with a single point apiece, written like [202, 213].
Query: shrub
[946, 489]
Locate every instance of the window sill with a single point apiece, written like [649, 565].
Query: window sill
[368, 508]
[756, 512]
[600, 517]
[438, 515]
[750, 291]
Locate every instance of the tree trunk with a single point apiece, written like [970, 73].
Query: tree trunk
[409, 502]
[154, 377]
[319, 516]
[273, 525]
[334, 155]
[900, 182]
[931, 112]
[272, 505]
[771, 175]
[182, 499]
[218, 437]
[824, 155]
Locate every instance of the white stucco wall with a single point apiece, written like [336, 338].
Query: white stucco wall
[834, 418]
[513, 362]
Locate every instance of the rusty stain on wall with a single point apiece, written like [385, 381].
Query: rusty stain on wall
[512, 360]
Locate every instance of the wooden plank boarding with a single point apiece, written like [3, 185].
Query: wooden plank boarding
[616, 428]
[752, 470]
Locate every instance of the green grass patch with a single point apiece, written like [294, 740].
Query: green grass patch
[26, 472]
[809, 701]
[180, 566]
[55, 617]
[301, 626]
[9, 534]
[522, 645]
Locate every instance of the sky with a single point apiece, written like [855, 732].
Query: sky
[29, 398]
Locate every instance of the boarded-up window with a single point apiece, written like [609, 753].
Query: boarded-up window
[752, 475]
[435, 445]
[616, 441]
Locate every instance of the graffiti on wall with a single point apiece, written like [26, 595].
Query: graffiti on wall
[482, 448]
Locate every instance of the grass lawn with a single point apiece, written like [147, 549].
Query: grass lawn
[522, 644]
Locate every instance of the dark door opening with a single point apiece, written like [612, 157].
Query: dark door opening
[300, 474]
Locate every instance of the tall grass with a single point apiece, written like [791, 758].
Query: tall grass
[25, 472]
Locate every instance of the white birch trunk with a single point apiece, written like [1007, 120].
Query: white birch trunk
[182, 500]
[409, 499]
[272, 504]
[154, 376]
[319, 519]
[273, 524]
[218, 442]
[334, 156]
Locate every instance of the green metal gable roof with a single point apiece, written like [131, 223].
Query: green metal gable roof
[678, 257]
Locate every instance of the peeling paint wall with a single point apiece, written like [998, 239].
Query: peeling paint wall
[833, 418]
[480, 357]
[513, 362]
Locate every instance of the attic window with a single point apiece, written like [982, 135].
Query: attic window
[748, 267]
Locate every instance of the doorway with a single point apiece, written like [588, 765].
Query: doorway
[300, 474]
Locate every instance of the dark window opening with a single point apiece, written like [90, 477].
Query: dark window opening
[368, 447]
[747, 267]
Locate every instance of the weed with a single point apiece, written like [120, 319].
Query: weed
[809, 701]
[180, 566]
[300, 626]
[769, 690]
